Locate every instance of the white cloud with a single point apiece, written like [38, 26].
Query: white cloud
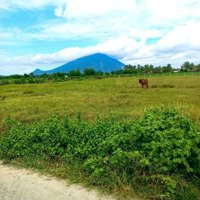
[163, 12]
[24, 4]
[59, 11]
[186, 35]
[115, 24]
[93, 8]
[177, 46]
[107, 18]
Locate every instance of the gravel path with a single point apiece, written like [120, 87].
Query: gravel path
[20, 184]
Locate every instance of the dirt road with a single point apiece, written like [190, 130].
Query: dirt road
[20, 184]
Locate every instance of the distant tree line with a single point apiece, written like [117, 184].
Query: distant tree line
[190, 67]
[88, 72]
[148, 69]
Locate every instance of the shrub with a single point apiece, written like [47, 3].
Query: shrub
[169, 141]
[156, 147]
[89, 72]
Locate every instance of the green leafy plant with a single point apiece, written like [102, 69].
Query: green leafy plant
[156, 148]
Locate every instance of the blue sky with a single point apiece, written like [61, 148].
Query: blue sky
[46, 33]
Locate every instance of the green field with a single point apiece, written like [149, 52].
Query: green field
[122, 97]
[153, 154]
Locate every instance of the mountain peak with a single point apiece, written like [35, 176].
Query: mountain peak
[99, 54]
[38, 72]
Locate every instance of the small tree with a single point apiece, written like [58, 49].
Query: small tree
[167, 68]
[58, 75]
[74, 73]
[89, 72]
[187, 66]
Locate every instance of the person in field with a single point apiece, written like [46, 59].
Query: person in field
[144, 82]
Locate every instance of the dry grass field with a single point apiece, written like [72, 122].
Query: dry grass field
[122, 97]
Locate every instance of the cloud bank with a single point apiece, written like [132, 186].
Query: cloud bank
[133, 31]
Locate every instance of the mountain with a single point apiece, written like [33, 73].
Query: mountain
[38, 72]
[98, 61]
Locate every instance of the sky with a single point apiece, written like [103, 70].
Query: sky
[45, 34]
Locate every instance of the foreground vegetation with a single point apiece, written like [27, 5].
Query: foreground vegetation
[157, 155]
[154, 153]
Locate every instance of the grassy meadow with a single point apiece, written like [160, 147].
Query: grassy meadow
[150, 154]
[122, 97]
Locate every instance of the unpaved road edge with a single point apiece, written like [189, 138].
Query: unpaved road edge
[21, 184]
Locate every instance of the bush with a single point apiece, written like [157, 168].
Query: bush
[168, 141]
[157, 148]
